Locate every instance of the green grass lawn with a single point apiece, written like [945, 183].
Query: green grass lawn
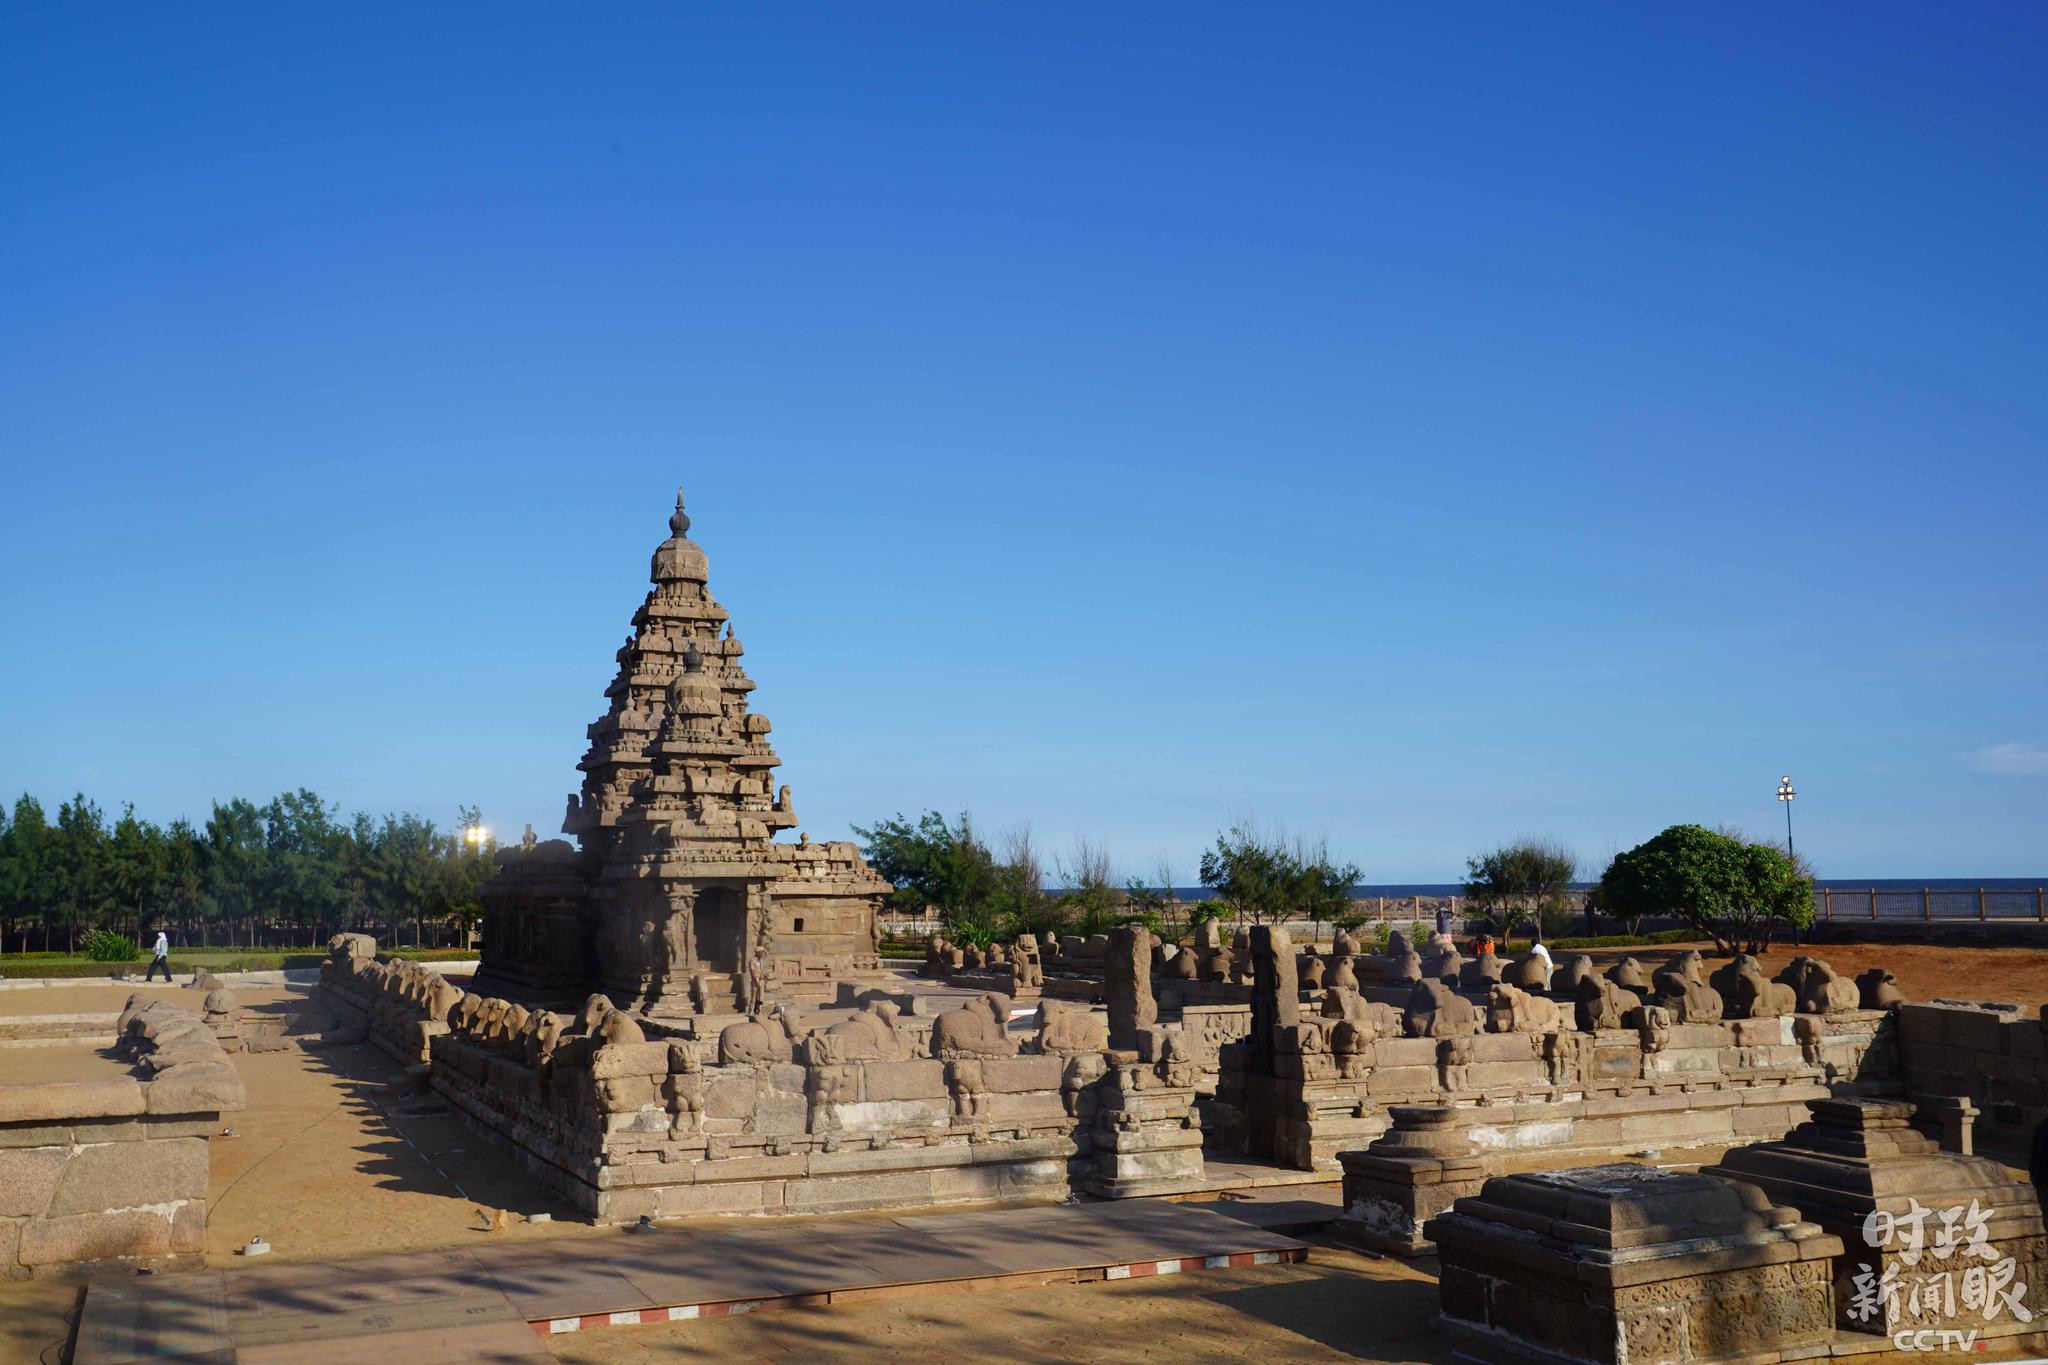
[183, 960]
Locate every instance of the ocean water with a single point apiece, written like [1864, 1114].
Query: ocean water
[1851, 898]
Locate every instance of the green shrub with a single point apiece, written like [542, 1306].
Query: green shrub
[1557, 945]
[101, 946]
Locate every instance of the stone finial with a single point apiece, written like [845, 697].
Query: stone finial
[679, 521]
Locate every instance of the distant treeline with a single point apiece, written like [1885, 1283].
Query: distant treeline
[289, 872]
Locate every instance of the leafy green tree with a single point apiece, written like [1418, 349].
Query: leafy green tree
[1524, 881]
[1722, 886]
[1264, 879]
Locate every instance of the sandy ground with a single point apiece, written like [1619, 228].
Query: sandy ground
[101, 998]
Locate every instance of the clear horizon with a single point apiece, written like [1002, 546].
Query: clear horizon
[1414, 430]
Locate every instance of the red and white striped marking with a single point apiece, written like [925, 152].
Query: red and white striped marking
[634, 1317]
[1139, 1269]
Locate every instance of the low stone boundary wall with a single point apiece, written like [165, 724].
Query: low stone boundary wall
[1995, 1056]
[104, 1174]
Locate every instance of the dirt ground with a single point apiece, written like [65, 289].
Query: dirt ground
[1924, 971]
[1339, 1306]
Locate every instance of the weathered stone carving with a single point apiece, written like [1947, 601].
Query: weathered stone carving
[1689, 998]
[1879, 989]
[1063, 1028]
[980, 1028]
[1127, 986]
[1601, 1003]
[1513, 1010]
[1747, 994]
[1860, 1171]
[1530, 972]
[680, 899]
[1565, 980]
[1816, 988]
[1630, 1263]
[1628, 974]
[1434, 1010]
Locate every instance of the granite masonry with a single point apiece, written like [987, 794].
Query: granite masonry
[103, 1175]
[1625, 1265]
[677, 900]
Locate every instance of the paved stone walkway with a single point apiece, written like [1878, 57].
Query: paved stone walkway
[500, 1302]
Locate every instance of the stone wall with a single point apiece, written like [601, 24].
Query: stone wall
[848, 1117]
[1995, 1056]
[397, 1007]
[106, 1174]
[1599, 1069]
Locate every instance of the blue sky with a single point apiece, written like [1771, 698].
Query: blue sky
[1414, 426]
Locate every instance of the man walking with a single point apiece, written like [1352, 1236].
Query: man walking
[162, 959]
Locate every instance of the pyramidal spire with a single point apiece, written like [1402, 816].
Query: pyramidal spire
[679, 522]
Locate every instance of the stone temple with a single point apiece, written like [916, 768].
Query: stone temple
[678, 900]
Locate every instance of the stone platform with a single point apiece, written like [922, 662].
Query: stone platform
[496, 1302]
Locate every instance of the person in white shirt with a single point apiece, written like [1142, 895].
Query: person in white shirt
[162, 958]
[1537, 950]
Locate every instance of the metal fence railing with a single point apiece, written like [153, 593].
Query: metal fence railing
[1833, 903]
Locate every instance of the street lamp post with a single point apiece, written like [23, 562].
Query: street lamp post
[1785, 794]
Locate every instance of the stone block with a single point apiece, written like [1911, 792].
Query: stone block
[629, 1059]
[1389, 1053]
[1762, 1032]
[911, 1080]
[2026, 1038]
[852, 1192]
[779, 1111]
[28, 1177]
[1012, 1075]
[35, 1135]
[1502, 1047]
[95, 1237]
[188, 1226]
[1037, 1106]
[196, 1089]
[730, 1098]
[60, 1100]
[890, 1114]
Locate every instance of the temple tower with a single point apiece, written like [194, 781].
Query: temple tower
[691, 907]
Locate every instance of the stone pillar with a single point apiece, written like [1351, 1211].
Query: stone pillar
[1272, 1098]
[1127, 987]
[1276, 991]
[1416, 1170]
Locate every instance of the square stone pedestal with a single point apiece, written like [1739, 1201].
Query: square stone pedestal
[1414, 1171]
[1934, 1240]
[1628, 1265]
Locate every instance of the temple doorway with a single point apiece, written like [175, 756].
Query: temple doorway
[719, 922]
